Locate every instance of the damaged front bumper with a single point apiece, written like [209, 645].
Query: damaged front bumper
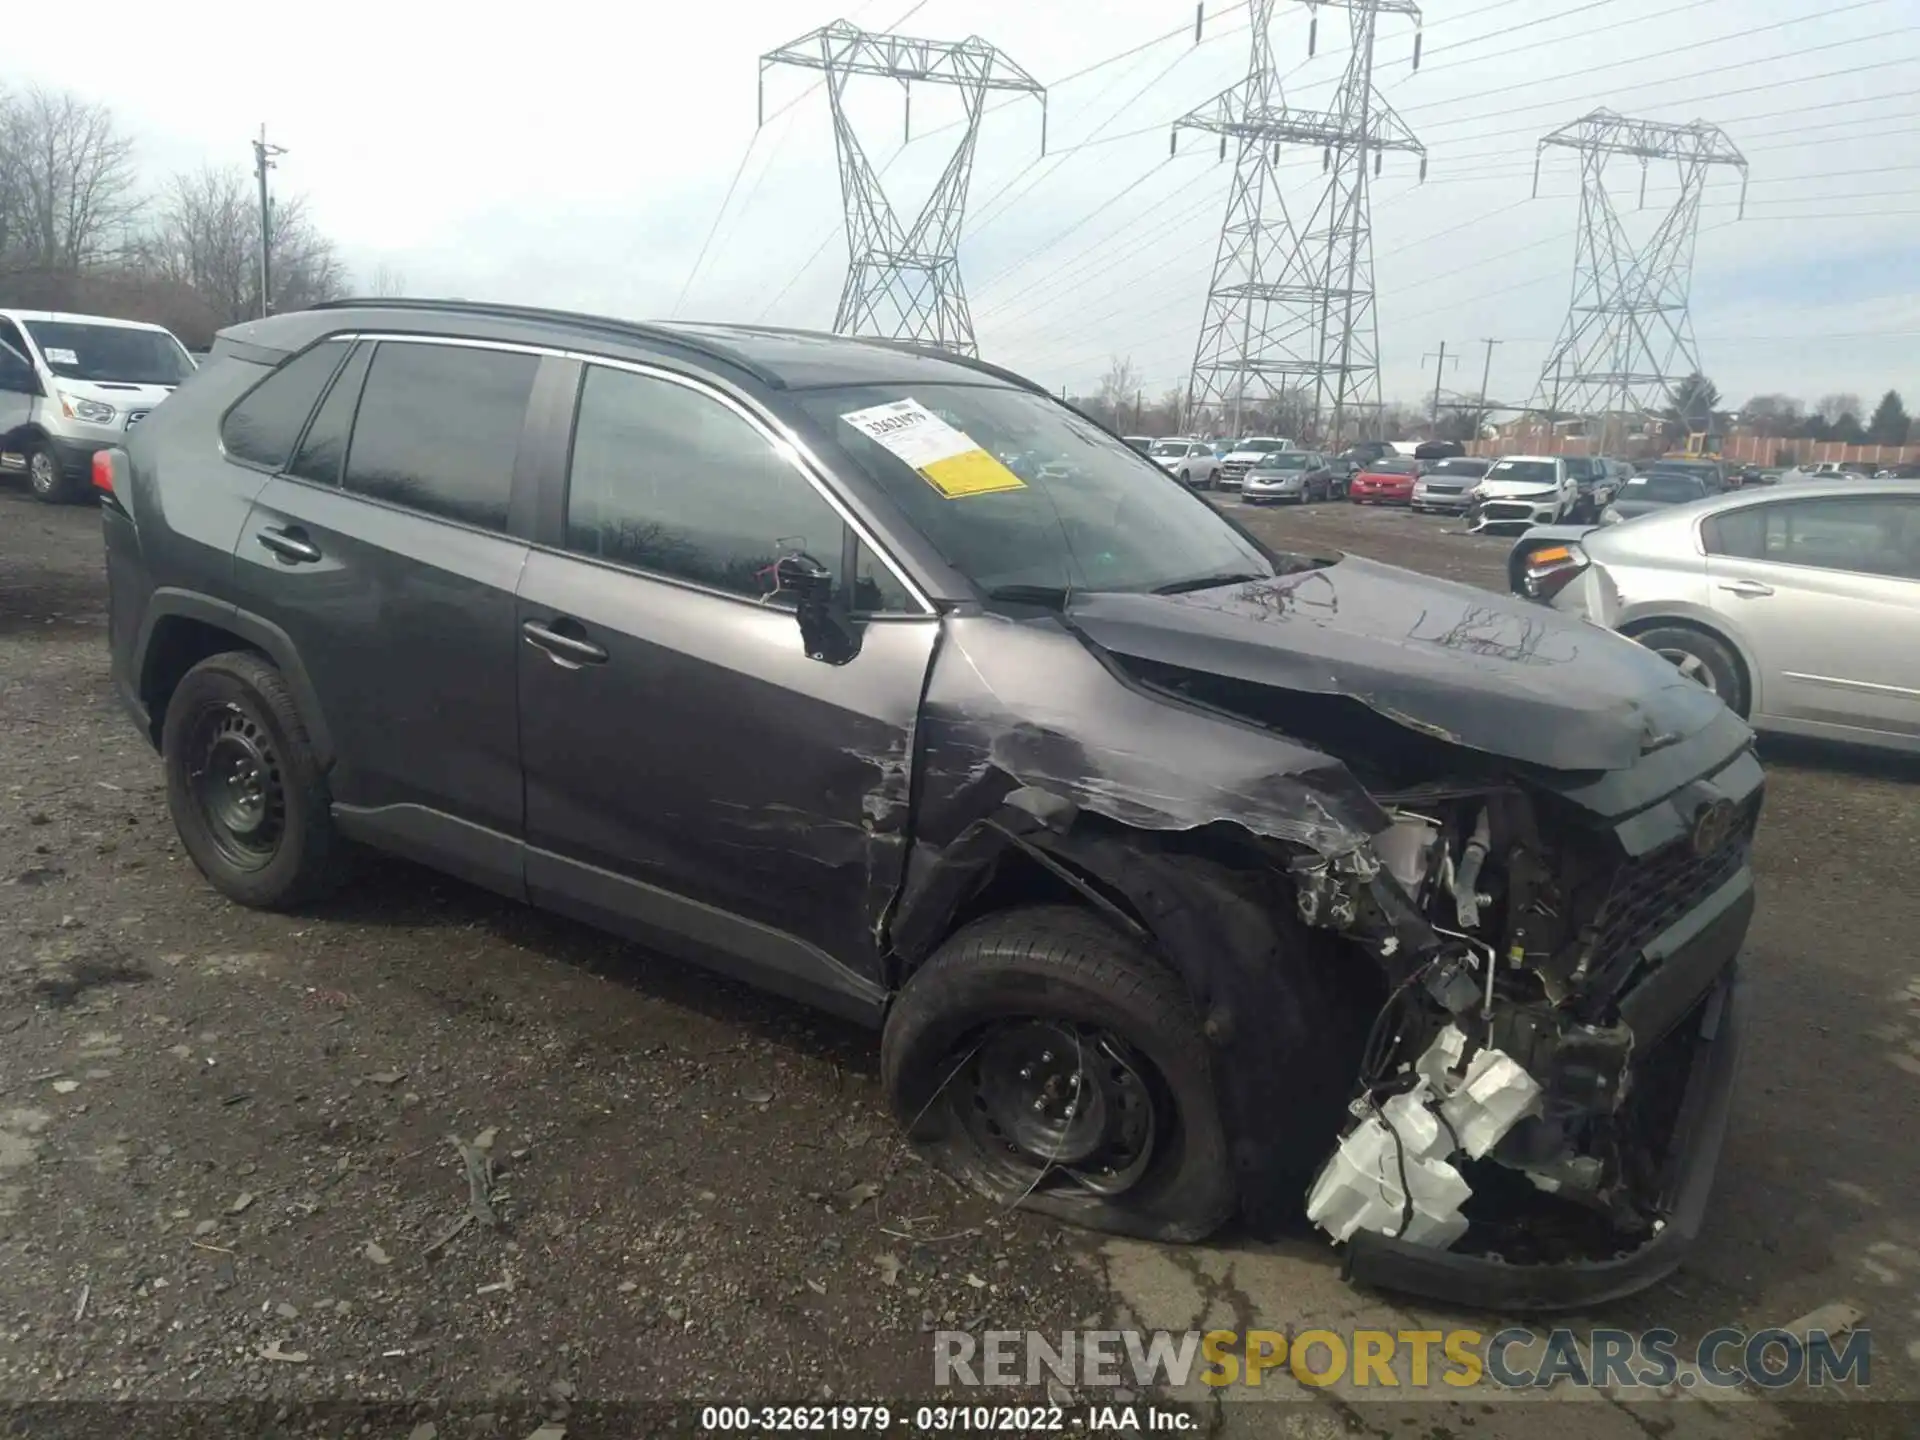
[1693, 1151]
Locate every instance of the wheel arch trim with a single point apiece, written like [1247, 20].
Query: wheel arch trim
[168, 603]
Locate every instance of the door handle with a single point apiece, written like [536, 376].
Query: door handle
[566, 650]
[1746, 587]
[290, 545]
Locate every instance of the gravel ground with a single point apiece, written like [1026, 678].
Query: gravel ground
[225, 1136]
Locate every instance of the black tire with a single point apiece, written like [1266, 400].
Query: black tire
[1060, 964]
[1703, 658]
[46, 478]
[238, 705]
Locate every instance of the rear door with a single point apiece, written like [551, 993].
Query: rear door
[385, 551]
[694, 775]
[1826, 593]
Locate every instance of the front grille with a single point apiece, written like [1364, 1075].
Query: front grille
[1651, 893]
[1236, 469]
[1507, 510]
[1444, 489]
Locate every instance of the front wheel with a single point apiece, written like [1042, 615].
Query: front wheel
[1044, 1059]
[46, 477]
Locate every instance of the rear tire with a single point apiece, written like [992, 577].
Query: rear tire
[247, 794]
[977, 1083]
[1702, 658]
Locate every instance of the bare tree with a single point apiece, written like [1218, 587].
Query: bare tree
[386, 281]
[208, 237]
[68, 193]
[1119, 393]
[1832, 407]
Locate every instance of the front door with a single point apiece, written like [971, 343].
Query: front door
[19, 385]
[1826, 593]
[383, 551]
[693, 774]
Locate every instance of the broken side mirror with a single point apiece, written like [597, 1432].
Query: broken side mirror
[826, 624]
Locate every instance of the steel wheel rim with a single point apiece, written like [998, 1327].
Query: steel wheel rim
[41, 473]
[237, 787]
[1691, 666]
[1045, 1098]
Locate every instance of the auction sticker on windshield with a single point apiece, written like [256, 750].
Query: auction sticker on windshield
[57, 356]
[946, 458]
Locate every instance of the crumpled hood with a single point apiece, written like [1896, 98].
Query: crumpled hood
[1487, 671]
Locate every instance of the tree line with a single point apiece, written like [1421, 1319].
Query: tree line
[83, 229]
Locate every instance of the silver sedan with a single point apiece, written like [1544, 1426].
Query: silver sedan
[1798, 605]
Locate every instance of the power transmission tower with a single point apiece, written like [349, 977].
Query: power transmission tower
[904, 283]
[1628, 338]
[1291, 308]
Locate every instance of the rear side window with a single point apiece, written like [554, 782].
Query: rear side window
[262, 428]
[668, 479]
[1865, 535]
[438, 429]
[325, 445]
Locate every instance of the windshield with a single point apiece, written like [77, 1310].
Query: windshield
[1394, 466]
[1078, 511]
[1283, 460]
[76, 351]
[1463, 467]
[1526, 472]
[1667, 489]
[1262, 447]
[1170, 447]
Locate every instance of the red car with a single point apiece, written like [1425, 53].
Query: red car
[1385, 482]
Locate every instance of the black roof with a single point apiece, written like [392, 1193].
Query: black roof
[776, 357]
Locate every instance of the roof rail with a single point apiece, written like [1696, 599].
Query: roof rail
[625, 329]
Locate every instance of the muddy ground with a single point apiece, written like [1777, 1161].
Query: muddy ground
[224, 1135]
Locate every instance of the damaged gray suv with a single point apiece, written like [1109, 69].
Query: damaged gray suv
[1185, 879]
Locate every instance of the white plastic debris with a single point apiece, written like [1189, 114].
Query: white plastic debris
[1484, 1103]
[1361, 1186]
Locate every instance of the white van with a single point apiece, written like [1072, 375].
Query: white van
[71, 385]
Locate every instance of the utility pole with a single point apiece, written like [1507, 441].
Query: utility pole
[904, 283]
[1439, 369]
[1486, 371]
[1627, 341]
[1290, 309]
[263, 154]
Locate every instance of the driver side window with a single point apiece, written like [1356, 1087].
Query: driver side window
[666, 478]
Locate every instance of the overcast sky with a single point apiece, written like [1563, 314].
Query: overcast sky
[577, 155]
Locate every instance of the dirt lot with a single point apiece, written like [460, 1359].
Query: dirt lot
[224, 1135]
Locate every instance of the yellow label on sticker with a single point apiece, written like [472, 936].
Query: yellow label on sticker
[973, 472]
[946, 458]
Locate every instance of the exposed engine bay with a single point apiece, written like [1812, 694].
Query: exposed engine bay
[1501, 1068]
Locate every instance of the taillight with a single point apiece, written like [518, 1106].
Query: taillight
[103, 471]
[1551, 569]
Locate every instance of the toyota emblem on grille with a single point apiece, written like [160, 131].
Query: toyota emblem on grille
[1713, 826]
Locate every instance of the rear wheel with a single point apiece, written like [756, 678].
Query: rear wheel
[1702, 658]
[1046, 1060]
[246, 791]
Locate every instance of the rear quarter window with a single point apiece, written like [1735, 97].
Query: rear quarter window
[264, 426]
